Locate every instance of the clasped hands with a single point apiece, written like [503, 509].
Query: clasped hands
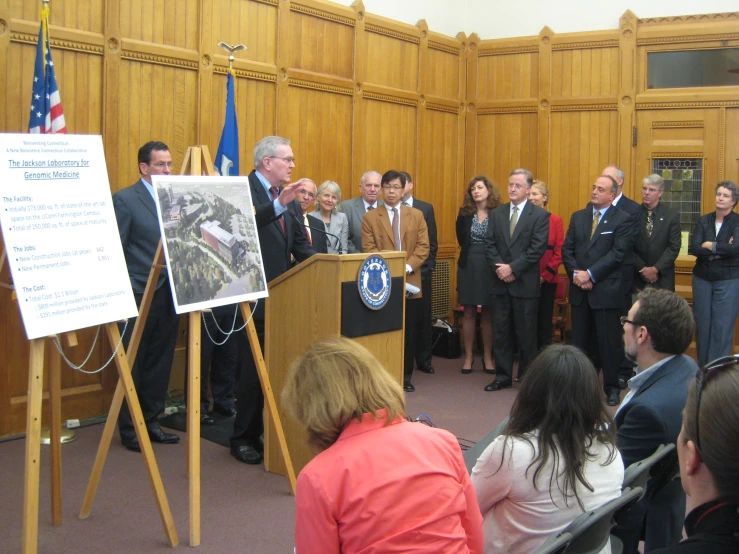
[649, 274]
[505, 273]
[582, 279]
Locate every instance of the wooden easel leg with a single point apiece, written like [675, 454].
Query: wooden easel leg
[139, 425]
[193, 425]
[33, 446]
[256, 350]
[55, 430]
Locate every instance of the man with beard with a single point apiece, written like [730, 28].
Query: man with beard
[657, 330]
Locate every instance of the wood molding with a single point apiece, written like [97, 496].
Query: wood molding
[322, 14]
[725, 16]
[245, 73]
[676, 154]
[668, 124]
[319, 86]
[499, 51]
[680, 38]
[444, 48]
[582, 45]
[371, 28]
[679, 104]
[73, 45]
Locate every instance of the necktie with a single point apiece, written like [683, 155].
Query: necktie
[406, 204]
[650, 223]
[396, 229]
[596, 220]
[514, 219]
[370, 207]
[275, 193]
[307, 229]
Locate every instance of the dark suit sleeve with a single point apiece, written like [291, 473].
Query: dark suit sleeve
[726, 249]
[462, 230]
[537, 246]
[667, 260]
[491, 247]
[433, 239]
[698, 238]
[622, 240]
[123, 218]
[639, 435]
[568, 249]
[301, 247]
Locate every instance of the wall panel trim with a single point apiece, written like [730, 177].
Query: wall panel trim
[322, 14]
[370, 28]
[256, 75]
[320, 86]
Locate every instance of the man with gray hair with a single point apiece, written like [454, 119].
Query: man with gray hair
[355, 208]
[658, 242]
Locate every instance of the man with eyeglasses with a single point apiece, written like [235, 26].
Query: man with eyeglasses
[355, 208]
[594, 248]
[312, 225]
[657, 331]
[281, 238]
[516, 239]
[138, 225]
[394, 226]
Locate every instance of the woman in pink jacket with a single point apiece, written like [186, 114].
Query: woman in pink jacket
[379, 483]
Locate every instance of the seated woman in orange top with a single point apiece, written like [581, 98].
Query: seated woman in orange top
[379, 482]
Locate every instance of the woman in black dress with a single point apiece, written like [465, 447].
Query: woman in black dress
[473, 272]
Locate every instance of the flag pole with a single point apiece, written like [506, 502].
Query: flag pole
[230, 49]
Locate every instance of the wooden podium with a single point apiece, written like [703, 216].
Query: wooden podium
[304, 306]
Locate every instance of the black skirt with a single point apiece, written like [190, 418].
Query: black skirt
[473, 282]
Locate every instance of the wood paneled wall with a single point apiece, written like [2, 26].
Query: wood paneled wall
[354, 92]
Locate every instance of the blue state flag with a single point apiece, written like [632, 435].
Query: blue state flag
[227, 156]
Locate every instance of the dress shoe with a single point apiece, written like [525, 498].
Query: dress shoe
[468, 371]
[131, 444]
[408, 387]
[246, 454]
[622, 383]
[426, 369]
[227, 411]
[206, 419]
[488, 370]
[157, 435]
[614, 398]
[495, 385]
[518, 379]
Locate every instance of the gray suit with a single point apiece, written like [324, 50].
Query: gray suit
[661, 249]
[339, 226]
[354, 210]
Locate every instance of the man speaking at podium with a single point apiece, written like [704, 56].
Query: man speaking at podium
[138, 226]
[278, 216]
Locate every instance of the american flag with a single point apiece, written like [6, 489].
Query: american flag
[46, 104]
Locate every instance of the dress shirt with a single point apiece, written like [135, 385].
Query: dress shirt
[520, 207]
[367, 205]
[279, 208]
[397, 487]
[150, 188]
[408, 202]
[640, 378]
[518, 516]
[615, 200]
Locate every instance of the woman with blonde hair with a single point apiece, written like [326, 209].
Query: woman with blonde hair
[379, 482]
[328, 196]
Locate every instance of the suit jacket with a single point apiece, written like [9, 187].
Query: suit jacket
[661, 249]
[724, 263]
[428, 215]
[522, 251]
[339, 226]
[377, 235]
[602, 255]
[653, 416]
[318, 239]
[633, 210]
[552, 258]
[277, 245]
[138, 227]
[354, 211]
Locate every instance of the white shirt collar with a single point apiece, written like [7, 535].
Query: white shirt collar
[409, 202]
[520, 207]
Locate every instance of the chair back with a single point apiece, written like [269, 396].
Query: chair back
[637, 474]
[555, 544]
[471, 455]
[561, 293]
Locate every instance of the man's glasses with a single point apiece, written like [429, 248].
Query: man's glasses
[289, 160]
[624, 321]
[702, 377]
[388, 187]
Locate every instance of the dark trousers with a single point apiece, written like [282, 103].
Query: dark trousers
[153, 363]
[626, 368]
[424, 340]
[219, 362]
[413, 315]
[249, 421]
[513, 321]
[598, 334]
[546, 313]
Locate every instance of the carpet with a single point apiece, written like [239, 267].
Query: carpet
[219, 433]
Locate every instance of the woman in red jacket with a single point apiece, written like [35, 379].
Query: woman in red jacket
[548, 265]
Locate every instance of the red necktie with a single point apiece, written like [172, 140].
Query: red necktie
[275, 192]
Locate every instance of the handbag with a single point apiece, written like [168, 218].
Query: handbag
[446, 340]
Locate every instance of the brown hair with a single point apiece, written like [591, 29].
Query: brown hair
[668, 319]
[468, 205]
[337, 380]
[543, 189]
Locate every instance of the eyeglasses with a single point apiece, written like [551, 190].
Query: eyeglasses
[624, 321]
[290, 160]
[308, 194]
[388, 187]
[701, 378]
[515, 186]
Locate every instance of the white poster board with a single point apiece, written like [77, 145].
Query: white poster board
[210, 241]
[60, 233]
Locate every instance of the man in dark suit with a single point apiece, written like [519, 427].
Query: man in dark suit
[312, 225]
[138, 225]
[397, 227]
[516, 240]
[622, 202]
[424, 342]
[657, 330]
[355, 208]
[281, 236]
[658, 242]
[594, 249]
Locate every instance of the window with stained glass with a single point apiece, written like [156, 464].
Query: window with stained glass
[683, 183]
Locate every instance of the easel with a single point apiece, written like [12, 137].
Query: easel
[197, 161]
[33, 432]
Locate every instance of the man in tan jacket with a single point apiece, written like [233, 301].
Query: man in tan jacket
[394, 226]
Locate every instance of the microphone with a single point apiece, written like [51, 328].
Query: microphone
[300, 222]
